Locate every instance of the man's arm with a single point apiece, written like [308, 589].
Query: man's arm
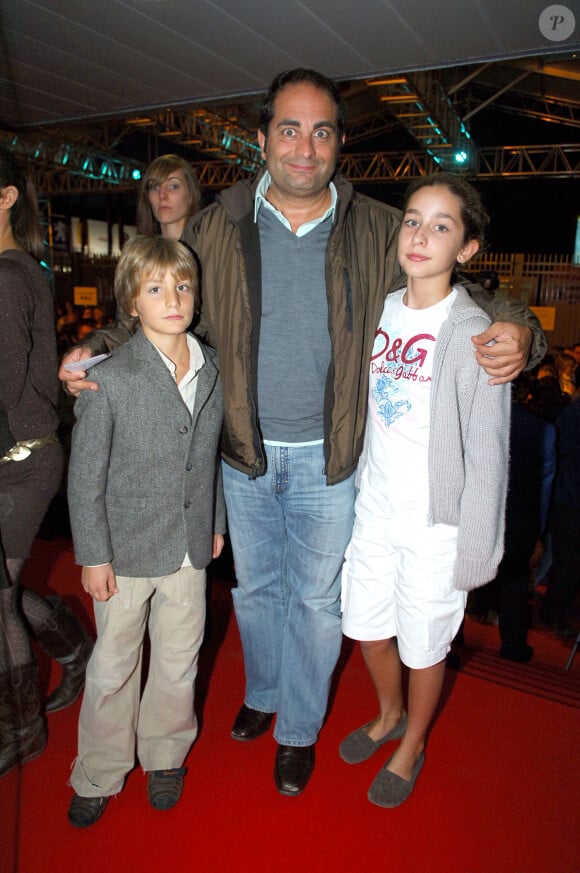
[103, 340]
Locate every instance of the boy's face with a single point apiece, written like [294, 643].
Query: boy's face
[164, 304]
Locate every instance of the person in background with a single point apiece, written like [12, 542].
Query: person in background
[168, 197]
[564, 525]
[566, 369]
[147, 516]
[429, 516]
[531, 475]
[295, 269]
[30, 474]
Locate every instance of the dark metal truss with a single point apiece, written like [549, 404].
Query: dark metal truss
[84, 172]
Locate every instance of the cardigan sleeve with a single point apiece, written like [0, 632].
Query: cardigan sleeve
[486, 431]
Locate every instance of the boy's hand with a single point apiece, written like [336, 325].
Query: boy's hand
[507, 357]
[99, 582]
[75, 382]
[217, 545]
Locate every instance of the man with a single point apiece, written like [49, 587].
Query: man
[295, 268]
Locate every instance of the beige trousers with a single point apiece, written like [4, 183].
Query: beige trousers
[116, 720]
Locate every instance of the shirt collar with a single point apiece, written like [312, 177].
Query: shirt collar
[262, 190]
[196, 360]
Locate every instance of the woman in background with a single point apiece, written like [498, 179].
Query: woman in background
[169, 196]
[30, 474]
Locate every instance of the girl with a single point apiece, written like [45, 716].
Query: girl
[169, 196]
[430, 512]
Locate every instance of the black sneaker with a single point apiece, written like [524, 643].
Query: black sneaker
[85, 811]
[164, 787]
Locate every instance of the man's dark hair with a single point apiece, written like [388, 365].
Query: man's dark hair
[297, 77]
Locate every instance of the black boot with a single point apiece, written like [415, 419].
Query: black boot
[22, 728]
[64, 639]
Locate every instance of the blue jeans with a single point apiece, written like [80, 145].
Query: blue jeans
[289, 531]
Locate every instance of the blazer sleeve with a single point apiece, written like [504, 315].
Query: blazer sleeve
[219, 525]
[87, 478]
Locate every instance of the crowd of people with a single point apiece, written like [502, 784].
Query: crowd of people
[542, 508]
[341, 329]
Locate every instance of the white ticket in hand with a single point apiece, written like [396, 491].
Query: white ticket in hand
[86, 364]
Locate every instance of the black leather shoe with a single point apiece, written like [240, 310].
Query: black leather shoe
[85, 811]
[251, 723]
[293, 768]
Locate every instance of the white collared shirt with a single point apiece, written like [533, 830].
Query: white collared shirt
[188, 385]
[262, 190]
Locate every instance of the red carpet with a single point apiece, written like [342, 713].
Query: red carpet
[498, 793]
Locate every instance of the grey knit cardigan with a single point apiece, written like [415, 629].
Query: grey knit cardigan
[468, 447]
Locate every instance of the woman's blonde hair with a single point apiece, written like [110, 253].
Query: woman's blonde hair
[159, 170]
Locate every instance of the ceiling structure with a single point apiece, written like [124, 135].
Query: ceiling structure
[92, 91]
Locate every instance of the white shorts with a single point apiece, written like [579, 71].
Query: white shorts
[396, 582]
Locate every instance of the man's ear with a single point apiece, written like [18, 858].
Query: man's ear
[262, 142]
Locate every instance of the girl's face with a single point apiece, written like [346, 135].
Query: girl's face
[170, 202]
[431, 239]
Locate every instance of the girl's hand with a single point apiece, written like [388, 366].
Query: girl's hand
[99, 582]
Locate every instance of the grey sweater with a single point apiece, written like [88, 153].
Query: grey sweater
[468, 447]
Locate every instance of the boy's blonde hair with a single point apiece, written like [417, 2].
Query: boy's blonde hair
[142, 255]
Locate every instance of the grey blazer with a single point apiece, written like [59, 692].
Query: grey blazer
[144, 482]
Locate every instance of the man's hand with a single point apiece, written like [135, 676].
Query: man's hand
[76, 381]
[99, 582]
[508, 355]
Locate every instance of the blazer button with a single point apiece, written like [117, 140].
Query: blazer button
[183, 429]
[187, 504]
[189, 467]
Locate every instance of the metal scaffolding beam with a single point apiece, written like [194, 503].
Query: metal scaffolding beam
[72, 165]
[419, 101]
[103, 173]
[206, 130]
[522, 162]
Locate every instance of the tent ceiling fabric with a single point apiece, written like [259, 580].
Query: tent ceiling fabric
[65, 60]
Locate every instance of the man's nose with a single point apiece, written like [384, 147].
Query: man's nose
[306, 146]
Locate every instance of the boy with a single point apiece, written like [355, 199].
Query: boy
[147, 516]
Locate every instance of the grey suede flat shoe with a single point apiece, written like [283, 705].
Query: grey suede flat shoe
[358, 746]
[389, 790]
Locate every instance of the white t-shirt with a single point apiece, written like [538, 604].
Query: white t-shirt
[395, 477]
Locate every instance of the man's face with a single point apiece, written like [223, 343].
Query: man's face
[302, 144]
